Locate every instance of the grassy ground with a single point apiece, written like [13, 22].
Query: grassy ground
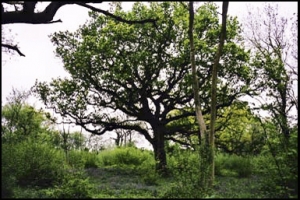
[127, 183]
[123, 183]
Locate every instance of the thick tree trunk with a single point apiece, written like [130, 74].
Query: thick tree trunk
[160, 153]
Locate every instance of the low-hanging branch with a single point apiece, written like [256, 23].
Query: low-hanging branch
[118, 18]
[28, 16]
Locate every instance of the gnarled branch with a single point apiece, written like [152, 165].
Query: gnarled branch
[15, 48]
[117, 17]
[27, 14]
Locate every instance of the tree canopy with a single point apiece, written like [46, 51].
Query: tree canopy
[143, 72]
[273, 48]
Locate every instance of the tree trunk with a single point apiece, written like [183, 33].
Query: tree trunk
[203, 134]
[214, 89]
[160, 153]
[199, 116]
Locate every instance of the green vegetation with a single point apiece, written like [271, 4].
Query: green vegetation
[236, 177]
[125, 67]
[35, 167]
[135, 78]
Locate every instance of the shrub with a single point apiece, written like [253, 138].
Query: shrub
[74, 185]
[7, 171]
[280, 172]
[34, 164]
[189, 172]
[123, 156]
[90, 160]
[75, 159]
[233, 165]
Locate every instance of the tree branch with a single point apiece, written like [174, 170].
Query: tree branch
[28, 16]
[117, 17]
[15, 48]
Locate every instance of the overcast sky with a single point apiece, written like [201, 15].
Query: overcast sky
[40, 62]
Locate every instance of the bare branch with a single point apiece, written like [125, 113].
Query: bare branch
[56, 21]
[117, 17]
[15, 48]
[28, 16]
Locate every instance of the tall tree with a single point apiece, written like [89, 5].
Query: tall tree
[199, 115]
[273, 50]
[273, 40]
[214, 88]
[26, 12]
[204, 152]
[144, 73]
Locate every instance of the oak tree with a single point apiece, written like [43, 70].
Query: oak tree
[145, 73]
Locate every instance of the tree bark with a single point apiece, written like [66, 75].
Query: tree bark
[214, 89]
[159, 152]
[199, 115]
[28, 16]
[203, 134]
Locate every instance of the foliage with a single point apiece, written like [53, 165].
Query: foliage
[91, 159]
[28, 156]
[279, 167]
[19, 120]
[119, 69]
[238, 131]
[233, 165]
[33, 164]
[8, 180]
[272, 48]
[82, 159]
[124, 156]
[74, 185]
[141, 181]
[188, 171]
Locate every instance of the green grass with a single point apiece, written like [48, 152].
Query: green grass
[129, 173]
[120, 183]
[126, 183]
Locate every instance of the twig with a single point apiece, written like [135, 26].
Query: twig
[15, 48]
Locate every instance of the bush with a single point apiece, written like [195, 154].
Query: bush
[123, 156]
[75, 159]
[280, 172]
[33, 164]
[74, 185]
[90, 159]
[233, 165]
[8, 176]
[189, 172]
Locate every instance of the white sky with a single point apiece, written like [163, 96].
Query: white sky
[40, 62]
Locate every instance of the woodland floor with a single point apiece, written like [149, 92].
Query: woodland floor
[126, 183]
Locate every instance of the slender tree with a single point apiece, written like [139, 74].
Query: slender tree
[273, 49]
[214, 88]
